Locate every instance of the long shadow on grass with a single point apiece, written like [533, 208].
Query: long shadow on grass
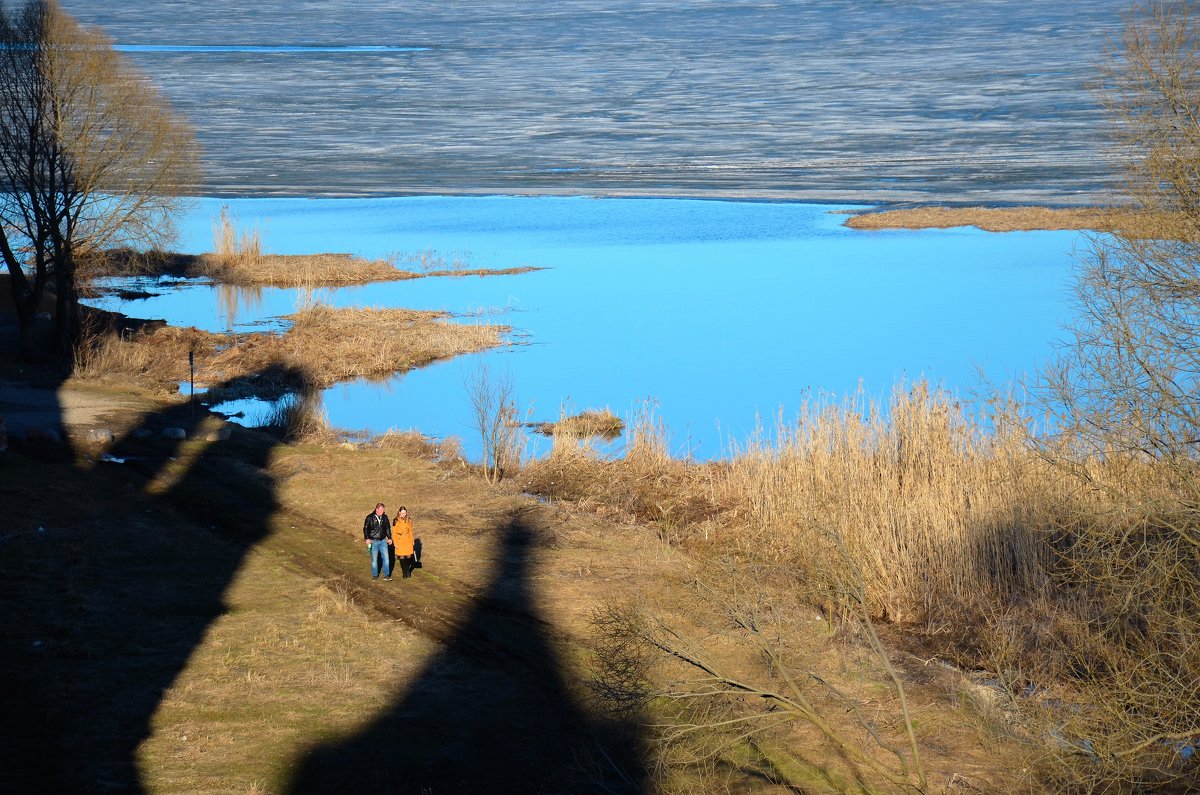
[490, 713]
[125, 596]
[31, 525]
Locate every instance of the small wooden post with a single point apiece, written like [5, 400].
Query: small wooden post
[192, 380]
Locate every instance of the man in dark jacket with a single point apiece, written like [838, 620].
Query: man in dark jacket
[377, 532]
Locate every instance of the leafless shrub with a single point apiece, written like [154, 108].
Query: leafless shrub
[1126, 392]
[493, 406]
[589, 423]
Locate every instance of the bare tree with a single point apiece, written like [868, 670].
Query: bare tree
[92, 157]
[1129, 382]
[495, 414]
[1126, 391]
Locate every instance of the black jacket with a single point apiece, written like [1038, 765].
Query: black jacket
[376, 527]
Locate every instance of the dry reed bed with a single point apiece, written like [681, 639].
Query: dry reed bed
[929, 510]
[647, 484]
[602, 423]
[1072, 578]
[1027, 219]
[302, 270]
[279, 270]
[1016, 219]
[934, 513]
[322, 270]
[322, 347]
[991, 219]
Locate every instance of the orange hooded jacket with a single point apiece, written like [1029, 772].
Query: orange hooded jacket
[402, 536]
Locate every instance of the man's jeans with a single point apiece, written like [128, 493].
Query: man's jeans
[379, 550]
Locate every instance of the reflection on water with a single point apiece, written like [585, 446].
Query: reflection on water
[719, 310]
[232, 300]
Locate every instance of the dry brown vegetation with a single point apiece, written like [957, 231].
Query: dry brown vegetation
[937, 515]
[278, 270]
[238, 259]
[322, 346]
[283, 665]
[1011, 219]
[592, 422]
[991, 219]
[988, 551]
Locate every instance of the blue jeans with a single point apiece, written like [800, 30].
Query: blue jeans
[379, 550]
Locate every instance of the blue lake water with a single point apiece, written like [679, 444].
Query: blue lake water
[720, 311]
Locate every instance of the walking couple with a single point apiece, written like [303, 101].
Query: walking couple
[385, 538]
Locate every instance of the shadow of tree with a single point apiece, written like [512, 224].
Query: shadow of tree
[491, 712]
[104, 634]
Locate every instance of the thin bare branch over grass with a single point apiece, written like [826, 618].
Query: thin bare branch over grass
[745, 684]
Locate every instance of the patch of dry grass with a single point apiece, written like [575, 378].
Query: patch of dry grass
[257, 269]
[935, 512]
[591, 422]
[333, 345]
[646, 485]
[298, 270]
[418, 445]
[238, 259]
[1007, 219]
[322, 347]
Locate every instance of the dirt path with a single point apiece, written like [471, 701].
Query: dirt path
[70, 406]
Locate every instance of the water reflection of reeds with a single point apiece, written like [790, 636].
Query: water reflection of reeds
[232, 301]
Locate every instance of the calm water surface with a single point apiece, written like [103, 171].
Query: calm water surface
[720, 311]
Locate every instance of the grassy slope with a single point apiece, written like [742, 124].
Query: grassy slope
[207, 624]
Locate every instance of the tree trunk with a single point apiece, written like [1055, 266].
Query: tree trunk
[25, 322]
[66, 309]
[25, 300]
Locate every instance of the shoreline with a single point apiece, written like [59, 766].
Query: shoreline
[847, 197]
[863, 214]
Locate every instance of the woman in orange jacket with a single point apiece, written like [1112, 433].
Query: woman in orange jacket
[402, 540]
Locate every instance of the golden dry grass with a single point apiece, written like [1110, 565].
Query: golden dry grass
[592, 422]
[297, 270]
[322, 347]
[934, 512]
[257, 269]
[321, 270]
[238, 259]
[1007, 219]
[1069, 576]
